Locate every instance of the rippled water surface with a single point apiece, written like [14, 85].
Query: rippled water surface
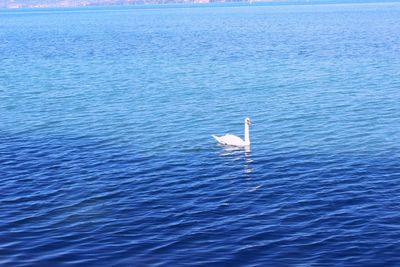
[106, 155]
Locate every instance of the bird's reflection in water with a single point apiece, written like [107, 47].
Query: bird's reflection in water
[239, 153]
[247, 160]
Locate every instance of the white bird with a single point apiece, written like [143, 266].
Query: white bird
[233, 140]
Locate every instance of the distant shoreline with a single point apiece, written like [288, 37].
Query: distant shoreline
[15, 4]
[43, 4]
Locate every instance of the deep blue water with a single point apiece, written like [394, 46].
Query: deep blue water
[106, 155]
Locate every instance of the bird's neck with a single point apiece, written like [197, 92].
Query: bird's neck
[246, 134]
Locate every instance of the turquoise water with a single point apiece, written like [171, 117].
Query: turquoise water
[106, 154]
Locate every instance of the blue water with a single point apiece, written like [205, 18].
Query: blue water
[106, 155]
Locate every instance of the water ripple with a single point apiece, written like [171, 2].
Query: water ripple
[106, 155]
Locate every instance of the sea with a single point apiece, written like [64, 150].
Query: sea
[106, 117]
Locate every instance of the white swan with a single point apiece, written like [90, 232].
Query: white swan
[233, 140]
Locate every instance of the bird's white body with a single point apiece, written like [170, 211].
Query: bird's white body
[233, 140]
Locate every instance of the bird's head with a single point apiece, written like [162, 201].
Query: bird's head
[247, 121]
